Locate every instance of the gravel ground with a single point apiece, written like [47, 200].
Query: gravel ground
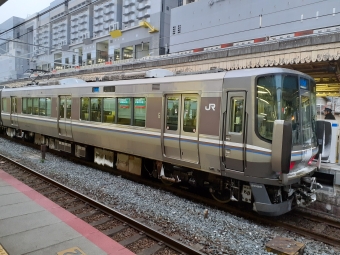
[221, 232]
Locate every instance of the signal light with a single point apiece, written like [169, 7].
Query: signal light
[291, 165]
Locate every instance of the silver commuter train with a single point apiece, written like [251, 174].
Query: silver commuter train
[245, 135]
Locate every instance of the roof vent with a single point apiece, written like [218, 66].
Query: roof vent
[158, 73]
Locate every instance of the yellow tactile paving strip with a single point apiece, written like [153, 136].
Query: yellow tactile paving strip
[2, 251]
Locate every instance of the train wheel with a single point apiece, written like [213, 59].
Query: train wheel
[221, 196]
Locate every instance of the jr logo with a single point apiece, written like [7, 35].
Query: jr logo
[210, 107]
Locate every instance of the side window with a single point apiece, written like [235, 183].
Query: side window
[139, 112]
[85, 109]
[172, 113]
[62, 104]
[109, 110]
[96, 106]
[29, 105]
[48, 106]
[42, 106]
[35, 106]
[124, 111]
[24, 105]
[236, 116]
[4, 104]
[190, 114]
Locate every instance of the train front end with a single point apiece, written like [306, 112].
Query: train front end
[286, 118]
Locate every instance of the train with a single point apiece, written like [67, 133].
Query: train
[243, 135]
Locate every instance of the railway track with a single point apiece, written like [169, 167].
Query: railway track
[302, 223]
[129, 232]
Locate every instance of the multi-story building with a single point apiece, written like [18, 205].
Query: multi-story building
[13, 50]
[75, 33]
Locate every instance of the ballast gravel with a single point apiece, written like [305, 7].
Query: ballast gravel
[220, 233]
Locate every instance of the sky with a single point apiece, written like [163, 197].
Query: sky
[21, 8]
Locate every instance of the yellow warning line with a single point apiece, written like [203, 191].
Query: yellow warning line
[2, 251]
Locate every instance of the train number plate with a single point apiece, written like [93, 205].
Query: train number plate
[246, 193]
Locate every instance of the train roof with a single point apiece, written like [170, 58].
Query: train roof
[168, 79]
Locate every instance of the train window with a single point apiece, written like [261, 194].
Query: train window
[14, 104]
[68, 107]
[236, 117]
[42, 106]
[139, 113]
[4, 104]
[35, 106]
[29, 105]
[278, 99]
[109, 110]
[96, 112]
[24, 105]
[62, 104]
[48, 106]
[85, 109]
[190, 114]
[45, 106]
[172, 113]
[124, 111]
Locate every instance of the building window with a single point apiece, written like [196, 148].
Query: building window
[128, 52]
[116, 55]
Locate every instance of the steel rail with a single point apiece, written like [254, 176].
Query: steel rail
[148, 231]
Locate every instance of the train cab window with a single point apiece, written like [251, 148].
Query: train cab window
[96, 112]
[109, 110]
[85, 108]
[35, 106]
[278, 99]
[4, 104]
[190, 114]
[124, 111]
[236, 117]
[139, 111]
[172, 113]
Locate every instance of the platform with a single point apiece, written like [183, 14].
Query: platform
[328, 198]
[32, 224]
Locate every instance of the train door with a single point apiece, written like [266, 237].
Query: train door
[234, 147]
[189, 134]
[171, 131]
[180, 136]
[14, 113]
[64, 119]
